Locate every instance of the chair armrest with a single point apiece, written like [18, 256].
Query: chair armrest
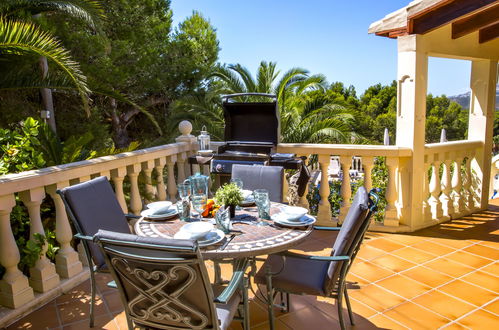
[327, 228]
[234, 282]
[320, 258]
[130, 216]
[84, 237]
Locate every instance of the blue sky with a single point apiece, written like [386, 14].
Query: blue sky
[322, 36]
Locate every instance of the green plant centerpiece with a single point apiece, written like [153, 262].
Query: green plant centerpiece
[229, 195]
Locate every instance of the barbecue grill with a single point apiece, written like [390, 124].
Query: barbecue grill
[252, 133]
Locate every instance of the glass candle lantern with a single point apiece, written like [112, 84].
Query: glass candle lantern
[204, 139]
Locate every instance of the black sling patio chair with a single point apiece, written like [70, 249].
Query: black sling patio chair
[92, 205]
[164, 284]
[291, 273]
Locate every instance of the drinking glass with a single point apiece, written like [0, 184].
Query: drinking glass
[199, 203]
[238, 182]
[184, 190]
[262, 201]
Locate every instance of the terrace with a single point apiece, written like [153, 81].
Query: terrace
[430, 263]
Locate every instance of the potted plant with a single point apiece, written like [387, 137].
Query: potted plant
[229, 195]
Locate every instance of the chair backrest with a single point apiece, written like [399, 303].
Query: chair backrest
[261, 177]
[92, 205]
[163, 283]
[349, 237]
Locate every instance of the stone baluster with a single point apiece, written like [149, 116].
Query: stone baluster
[14, 286]
[135, 200]
[196, 168]
[107, 174]
[324, 213]
[303, 198]
[43, 275]
[161, 188]
[67, 263]
[469, 200]
[118, 175]
[172, 186]
[426, 195]
[181, 167]
[147, 168]
[368, 164]
[457, 184]
[447, 205]
[346, 190]
[391, 212]
[434, 201]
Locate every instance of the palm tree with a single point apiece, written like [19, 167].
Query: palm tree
[307, 116]
[20, 37]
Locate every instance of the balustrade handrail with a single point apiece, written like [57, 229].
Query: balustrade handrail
[345, 149]
[16, 182]
[432, 148]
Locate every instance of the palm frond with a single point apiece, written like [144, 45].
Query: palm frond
[265, 76]
[245, 75]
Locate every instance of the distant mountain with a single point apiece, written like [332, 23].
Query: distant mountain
[464, 99]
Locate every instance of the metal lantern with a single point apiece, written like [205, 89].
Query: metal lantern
[204, 139]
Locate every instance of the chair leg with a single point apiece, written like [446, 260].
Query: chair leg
[246, 314]
[270, 297]
[93, 290]
[349, 307]
[287, 302]
[339, 301]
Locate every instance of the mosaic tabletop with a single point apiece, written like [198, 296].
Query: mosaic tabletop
[253, 241]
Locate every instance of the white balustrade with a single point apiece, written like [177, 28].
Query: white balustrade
[118, 175]
[159, 165]
[445, 199]
[345, 190]
[457, 185]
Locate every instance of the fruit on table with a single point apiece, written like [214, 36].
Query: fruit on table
[210, 208]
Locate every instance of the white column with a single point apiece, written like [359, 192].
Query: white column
[457, 184]
[324, 212]
[481, 122]
[368, 164]
[346, 188]
[161, 188]
[147, 168]
[67, 262]
[172, 186]
[135, 200]
[14, 286]
[118, 175]
[412, 79]
[391, 212]
[447, 205]
[43, 275]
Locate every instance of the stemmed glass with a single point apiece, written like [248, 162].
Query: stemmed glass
[199, 203]
[183, 206]
[262, 201]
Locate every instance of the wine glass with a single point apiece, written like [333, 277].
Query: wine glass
[199, 203]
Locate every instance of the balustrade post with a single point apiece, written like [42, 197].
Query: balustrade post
[161, 189]
[303, 198]
[457, 185]
[118, 175]
[434, 201]
[135, 200]
[67, 262]
[391, 212]
[345, 190]
[181, 160]
[368, 164]
[14, 286]
[447, 205]
[43, 275]
[468, 186]
[324, 213]
[172, 186]
[185, 127]
[147, 168]
[426, 195]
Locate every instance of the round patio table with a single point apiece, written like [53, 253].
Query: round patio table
[253, 241]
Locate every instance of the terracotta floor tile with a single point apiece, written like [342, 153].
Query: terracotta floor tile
[413, 255]
[370, 271]
[101, 322]
[42, 318]
[454, 326]
[77, 310]
[383, 322]
[81, 291]
[368, 252]
[468, 292]
[406, 239]
[492, 268]
[427, 276]
[376, 297]
[484, 280]
[355, 282]
[444, 305]
[265, 326]
[113, 301]
[360, 310]
[102, 280]
[416, 317]
[493, 307]
[468, 259]
[454, 243]
[484, 251]
[449, 267]
[433, 248]
[480, 320]
[393, 263]
[309, 318]
[491, 244]
[120, 320]
[385, 244]
[403, 286]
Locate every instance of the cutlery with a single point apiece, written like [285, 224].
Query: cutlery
[231, 237]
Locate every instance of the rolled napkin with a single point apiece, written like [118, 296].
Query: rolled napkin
[163, 210]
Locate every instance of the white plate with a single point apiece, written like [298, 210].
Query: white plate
[205, 152]
[306, 220]
[213, 237]
[249, 199]
[148, 214]
[155, 205]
